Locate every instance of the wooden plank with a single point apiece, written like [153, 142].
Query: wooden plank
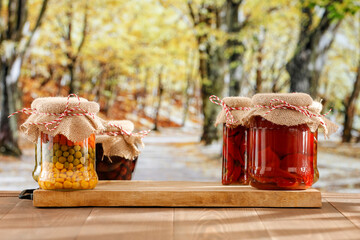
[9, 194]
[26, 222]
[341, 195]
[6, 204]
[128, 223]
[325, 223]
[218, 223]
[176, 194]
[349, 207]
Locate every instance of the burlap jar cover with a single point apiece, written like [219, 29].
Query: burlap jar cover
[234, 112]
[73, 117]
[291, 109]
[118, 140]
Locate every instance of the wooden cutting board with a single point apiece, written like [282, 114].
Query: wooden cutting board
[175, 194]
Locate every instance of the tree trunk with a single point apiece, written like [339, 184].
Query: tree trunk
[144, 91]
[350, 109]
[299, 67]
[212, 85]
[259, 79]
[188, 87]
[70, 54]
[210, 68]
[8, 127]
[160, 94]
[17, 13]
[233, 45]
[72, 81]
[186, 102]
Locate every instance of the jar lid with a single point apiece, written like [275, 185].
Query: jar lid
[110, 126]
[237, 101]
[73, 117]
[236, 116]
[290, 109]
[297, 99]
[117, 143]
[59, 104]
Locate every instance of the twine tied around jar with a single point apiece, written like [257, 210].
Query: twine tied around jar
[285, 105]
[121, 131]
[229, 117]
[67, 112]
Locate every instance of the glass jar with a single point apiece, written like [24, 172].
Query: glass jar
[37, 168]
[113, 167]
[235, 160]
[65, 164]
[281, 157]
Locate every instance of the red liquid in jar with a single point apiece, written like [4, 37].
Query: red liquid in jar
[235, 162]
[281, 157]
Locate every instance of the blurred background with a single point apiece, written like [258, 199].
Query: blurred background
[156, 62]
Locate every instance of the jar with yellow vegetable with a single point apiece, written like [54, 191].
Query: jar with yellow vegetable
[66, 164]
[64, 132]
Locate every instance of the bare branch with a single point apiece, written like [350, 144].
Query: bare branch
[192, 14]
[84, 32]
[37, 24]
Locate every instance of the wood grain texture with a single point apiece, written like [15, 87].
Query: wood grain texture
[9, 194]
[218, 223]
[349, 206]
[176, 194]
[325, 223]
[128, 223]
[6, 204]
[24, 221]
[337, 219]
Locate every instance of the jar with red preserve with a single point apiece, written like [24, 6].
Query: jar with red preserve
[235, 140]
[283, 140]
[117, 151]
[64, 132]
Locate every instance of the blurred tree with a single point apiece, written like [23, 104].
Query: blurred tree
[307, 62]
[234, 45]
[206, 19]
[72, 51]
[189, 86]
[350, 108]
[15, 39]
[160, 92]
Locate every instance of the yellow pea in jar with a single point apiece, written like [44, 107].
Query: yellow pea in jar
[65, 165]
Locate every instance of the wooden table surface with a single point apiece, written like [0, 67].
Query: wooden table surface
[339, 218]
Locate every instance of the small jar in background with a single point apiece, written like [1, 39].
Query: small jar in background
[117, 151]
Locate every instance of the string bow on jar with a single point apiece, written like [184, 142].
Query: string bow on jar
[73, 117]
[234, 110]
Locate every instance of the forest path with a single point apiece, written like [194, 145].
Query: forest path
[175, 154]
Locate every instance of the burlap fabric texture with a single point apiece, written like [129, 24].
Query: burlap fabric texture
[74, 128]
[121, 145]
[239, 115]
[266, 106]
